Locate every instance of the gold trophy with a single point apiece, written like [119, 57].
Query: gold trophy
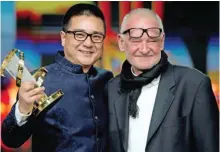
[15, 67]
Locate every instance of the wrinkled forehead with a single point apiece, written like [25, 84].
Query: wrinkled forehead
[141, 21]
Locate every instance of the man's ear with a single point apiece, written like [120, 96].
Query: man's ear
[162, 41]
[62, 37]
[120, 42]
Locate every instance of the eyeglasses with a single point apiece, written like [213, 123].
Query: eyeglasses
[152, 32]
[82, 36]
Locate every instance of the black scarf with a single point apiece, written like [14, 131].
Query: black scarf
[131, 85]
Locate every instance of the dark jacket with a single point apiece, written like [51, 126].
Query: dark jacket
[185, 116]
[76, 122]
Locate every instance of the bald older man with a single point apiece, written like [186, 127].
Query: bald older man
[155, 106]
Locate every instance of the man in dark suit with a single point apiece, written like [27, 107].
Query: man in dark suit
[155, 106]
[77, 122]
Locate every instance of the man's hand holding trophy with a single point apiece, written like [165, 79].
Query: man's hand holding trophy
[31, 94]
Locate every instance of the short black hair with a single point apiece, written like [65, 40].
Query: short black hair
[83, 9]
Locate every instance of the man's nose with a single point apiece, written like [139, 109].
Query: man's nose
[144, 49]
[88, 41]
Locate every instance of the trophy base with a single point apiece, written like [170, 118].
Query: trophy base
[44, 102]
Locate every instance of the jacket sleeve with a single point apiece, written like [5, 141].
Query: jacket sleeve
[205, 118]
[13, 135]
[110, 76]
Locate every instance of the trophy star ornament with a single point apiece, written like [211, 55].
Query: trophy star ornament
[14, 65]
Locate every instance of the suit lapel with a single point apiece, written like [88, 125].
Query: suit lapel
[163, 101]
[121, 110]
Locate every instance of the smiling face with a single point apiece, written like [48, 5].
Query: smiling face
[84, 53]
[143, 52]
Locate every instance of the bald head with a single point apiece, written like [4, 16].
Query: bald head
[138, 13]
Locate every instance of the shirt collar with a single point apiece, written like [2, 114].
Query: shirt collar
[133, 72]
[74, 68]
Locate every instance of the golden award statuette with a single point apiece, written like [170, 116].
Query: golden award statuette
[14, 65]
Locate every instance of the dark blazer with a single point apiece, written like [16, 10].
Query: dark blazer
[185, 116]
[77, 122]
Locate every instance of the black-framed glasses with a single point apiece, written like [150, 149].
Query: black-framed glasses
[82, 36]
[152, 32]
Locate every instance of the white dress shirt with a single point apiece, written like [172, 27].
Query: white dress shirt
[138, 127]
